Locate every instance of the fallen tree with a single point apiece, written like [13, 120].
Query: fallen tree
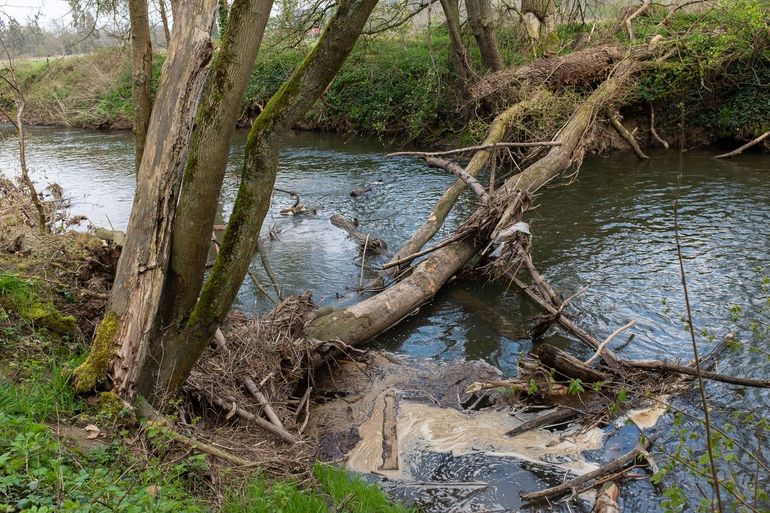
[370, 317]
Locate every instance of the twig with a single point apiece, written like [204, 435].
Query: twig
[363, 261]
[219, 340]
[652, 128]
[268, 268]
[200, 446]
[603, 345]
[259, 396]
[409, 258]
[629, 25]
[267, 426]
[699, 374]
[609, 468]
[628, 136]
[681, 369]
[744, 147]
[472, 148]
[460, 173]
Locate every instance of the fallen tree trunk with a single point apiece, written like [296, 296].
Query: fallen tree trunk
[370, 317]
[582, 67]
[365, 240]
[567, 365]
[444, 205]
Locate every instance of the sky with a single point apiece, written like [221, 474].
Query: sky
[52, 10]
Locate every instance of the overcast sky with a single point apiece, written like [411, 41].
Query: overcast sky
[52, 10]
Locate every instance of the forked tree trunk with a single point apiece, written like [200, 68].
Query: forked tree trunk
[141, 76]
[134, 301]
[459, 52]
[480, 19]
[370, 317]
[207, 158]
[174, 358]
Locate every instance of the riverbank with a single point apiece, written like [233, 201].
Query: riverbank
[711, 77]
[60, 451]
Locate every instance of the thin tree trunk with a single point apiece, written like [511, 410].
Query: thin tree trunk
[141, 83]
[459, 52]
[207, 158]
[41, 219]
[128, 325]
[480, 20]
[370, 317]
[164, 20]
[285, 108]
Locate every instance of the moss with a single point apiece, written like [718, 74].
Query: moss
[96, 365]
[47, 316]
[332, 325]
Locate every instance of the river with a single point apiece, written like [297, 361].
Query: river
[611, 229]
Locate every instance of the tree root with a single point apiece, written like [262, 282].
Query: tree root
[625, 134]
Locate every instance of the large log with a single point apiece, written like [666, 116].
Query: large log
[583, 67]
[370, 317]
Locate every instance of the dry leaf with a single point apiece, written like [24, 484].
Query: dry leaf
[93, 431]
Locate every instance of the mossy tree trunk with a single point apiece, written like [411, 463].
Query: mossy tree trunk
[122, 339]
[207, 157]
[169, 368]
[459, 52]
[141, 74]
[482, 25]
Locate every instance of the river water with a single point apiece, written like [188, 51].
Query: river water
[611, 229]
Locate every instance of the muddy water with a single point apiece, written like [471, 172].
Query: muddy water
[610, 230]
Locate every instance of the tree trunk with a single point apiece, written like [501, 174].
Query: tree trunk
[207, 157]
[539, 18]
[141, 64]
[285, 108]
[134, 302]
[370, 317]
[444, 205]
[480, 19]
[459, 52]
[164, 20]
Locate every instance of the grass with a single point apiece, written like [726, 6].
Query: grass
[335, 488]
[48, 464]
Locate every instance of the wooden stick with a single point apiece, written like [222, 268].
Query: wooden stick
[744, 147]
[545, 288]
[603, 345]
[472, 148]
[629, 25]
[609, 468]
[364, 239]
[681, 369]
[628, 136]
[557, 416]
[608, 355]
[197, 445]
[409, 258]
[305, 399]
[259, 396]
[567, 365]
[269, 268]
[462, 174]
[267, 426]
[219, 340]
[652, 128]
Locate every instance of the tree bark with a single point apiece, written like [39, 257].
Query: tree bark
[459, 52]
[370, 317]
[207, 158]
[285, 108]
[122, 338]
[141, 64]
[480, 19]
[164, 20]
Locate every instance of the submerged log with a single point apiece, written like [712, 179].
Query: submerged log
[365, 240]
[567, 365]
